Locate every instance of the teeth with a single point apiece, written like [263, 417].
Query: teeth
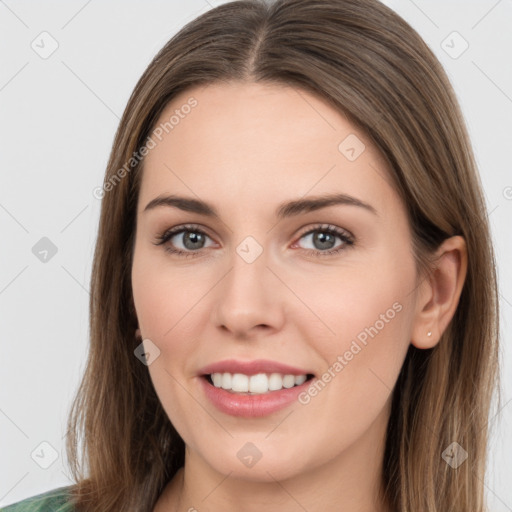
[226, 380]
[300, 379]
[275, 382]
[240, 383]
[289, 381]
[217, 379]
[256, 384]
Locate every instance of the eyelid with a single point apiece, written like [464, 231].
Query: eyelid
[326, 227]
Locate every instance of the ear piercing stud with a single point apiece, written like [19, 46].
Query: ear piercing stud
[429, 333]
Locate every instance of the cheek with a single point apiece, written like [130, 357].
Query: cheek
[356, 302]
[162, 296]
[162, 316]
[162, 300]
[366, 316]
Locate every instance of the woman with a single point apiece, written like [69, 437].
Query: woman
[293, 297]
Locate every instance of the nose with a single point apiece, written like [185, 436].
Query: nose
[249, 298]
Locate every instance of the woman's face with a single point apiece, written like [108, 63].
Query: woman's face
[263, 289]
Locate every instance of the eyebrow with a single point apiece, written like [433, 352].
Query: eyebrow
[287, 209]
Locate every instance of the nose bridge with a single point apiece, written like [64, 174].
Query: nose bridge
[247, 296]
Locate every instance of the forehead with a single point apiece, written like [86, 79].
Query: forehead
[238, 143]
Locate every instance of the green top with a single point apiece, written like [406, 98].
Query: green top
[56, 500]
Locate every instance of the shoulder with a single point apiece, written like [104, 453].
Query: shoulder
[56, 500]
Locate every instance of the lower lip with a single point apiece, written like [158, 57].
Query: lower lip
[249, 406]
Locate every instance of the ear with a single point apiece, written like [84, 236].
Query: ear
[438, 295]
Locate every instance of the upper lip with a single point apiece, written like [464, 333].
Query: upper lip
[251, 367]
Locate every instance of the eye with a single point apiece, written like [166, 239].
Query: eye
[324, 237]
[191, 238]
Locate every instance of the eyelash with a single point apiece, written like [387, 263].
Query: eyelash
[324, 228]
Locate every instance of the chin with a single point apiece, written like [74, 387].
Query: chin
[245, 461]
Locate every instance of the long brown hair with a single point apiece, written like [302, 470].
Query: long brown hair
[372, 66]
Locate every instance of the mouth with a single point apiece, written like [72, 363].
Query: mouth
[255, 388]
[257, 384]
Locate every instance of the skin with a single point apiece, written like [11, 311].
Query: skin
[246, 148]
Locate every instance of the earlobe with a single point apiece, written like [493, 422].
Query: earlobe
[439, 295]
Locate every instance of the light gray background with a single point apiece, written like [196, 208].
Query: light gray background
[58, 118]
